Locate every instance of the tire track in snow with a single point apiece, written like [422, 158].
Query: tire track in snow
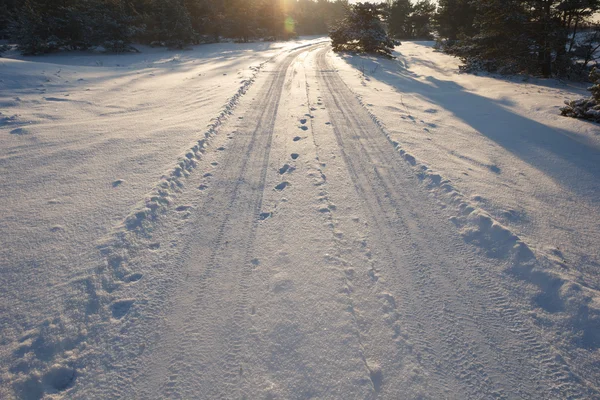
[471, 361]
[235, 200]
[372, 369]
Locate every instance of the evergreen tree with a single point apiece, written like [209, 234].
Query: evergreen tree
[588, 108]
[399, 23]
[362, 30]
[531, 36]
[502, 42]
[455, 18]
[240, 19]
[171, 25]
[421, 19]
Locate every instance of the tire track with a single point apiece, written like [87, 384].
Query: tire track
[469, 339]
[212, 308]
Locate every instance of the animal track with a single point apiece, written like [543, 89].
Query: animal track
[117, 183]
[183, 208]
[265, 215]
[295, 156]
[303, 121]
[202, 187]
[297, 138]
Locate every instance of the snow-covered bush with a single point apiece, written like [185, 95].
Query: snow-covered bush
[3, 48]
[362, 30]
[588, 108]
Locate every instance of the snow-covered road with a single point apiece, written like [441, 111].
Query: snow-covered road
[299, 254]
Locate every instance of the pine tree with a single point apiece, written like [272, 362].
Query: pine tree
[502, 42]
[588, 108]
[421, 19]
[455, 18]
[362, 30]
[531, 36]
[399, 24]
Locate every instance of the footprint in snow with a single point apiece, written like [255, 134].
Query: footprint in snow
[494, 168]
[297, 138]
[265, 215]
[295, 156]
[282, 186]
[118, 183]
[304, 127]
[58, 378]
[55, 99]
[133, 278]
[19, 131]
[303, 121]
[120, 308]
[286, 168]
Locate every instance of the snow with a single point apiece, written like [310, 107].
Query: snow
[272, 220]
[84, 137]
[497, 148]
[501, 141]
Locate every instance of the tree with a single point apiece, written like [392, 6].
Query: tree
[455, 18]
[586, 108]
[362, 30]
[531, 36]
[503, 42]
[399, 19]
[421, 19]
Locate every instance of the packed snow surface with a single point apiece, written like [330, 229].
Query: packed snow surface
[273, 220]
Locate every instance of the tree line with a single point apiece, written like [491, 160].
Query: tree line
[540, 37]
[41, 26]
[544, 37]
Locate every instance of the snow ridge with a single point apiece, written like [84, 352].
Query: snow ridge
[555, 292]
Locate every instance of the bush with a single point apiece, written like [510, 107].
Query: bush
[588, 108]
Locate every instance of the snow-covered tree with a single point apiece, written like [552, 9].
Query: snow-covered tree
[588, 108]
[362, 30]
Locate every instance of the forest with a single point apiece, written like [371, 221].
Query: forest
[541, 37]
